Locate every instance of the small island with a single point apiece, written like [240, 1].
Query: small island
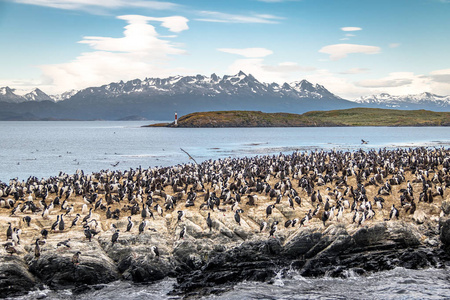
[331, 118]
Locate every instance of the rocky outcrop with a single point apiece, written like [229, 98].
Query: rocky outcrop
[15, 279]
[207, 262]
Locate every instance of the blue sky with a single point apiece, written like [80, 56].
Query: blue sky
[353, 48]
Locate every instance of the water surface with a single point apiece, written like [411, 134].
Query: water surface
[43, 149]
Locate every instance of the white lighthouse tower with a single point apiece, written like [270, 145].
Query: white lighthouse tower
[176, 119]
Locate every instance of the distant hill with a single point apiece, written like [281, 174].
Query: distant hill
[419, 101]
[345, 117]
[160, 98]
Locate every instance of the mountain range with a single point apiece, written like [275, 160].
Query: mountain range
[159, 98]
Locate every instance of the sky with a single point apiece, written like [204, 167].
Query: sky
[353, 47]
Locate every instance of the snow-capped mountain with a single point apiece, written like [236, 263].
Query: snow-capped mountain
[8, 95]
[13, 96]
[63, 96]
[408, 101]
[159, 98]
[213, 86]
[37, 95]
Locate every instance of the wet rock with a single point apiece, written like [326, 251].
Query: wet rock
[446, 207]
[444, 231]
[15, 279]
[57, 270]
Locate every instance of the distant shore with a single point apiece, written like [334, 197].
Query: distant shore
[332, 118]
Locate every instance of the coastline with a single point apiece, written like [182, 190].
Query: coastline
[204, 260]
[357, 117]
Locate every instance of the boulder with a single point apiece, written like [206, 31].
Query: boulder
[15, 279]
[419, 217]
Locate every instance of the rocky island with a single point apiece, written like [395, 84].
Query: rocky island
[214, 224]
[343, 117]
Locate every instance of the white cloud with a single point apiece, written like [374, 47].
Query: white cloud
[103, 4]
[406, 83]
[141, 52]
[394, 45]
[351, 28]
[340, 51]
[219, 17]
[384, 83]
[440, 76]
[248, 52]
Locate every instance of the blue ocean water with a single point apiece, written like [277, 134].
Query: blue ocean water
[43, 149]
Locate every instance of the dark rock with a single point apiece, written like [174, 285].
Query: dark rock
[444, 231]
[58, 271]
[15, 279]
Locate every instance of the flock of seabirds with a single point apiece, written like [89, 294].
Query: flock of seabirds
[319, 187]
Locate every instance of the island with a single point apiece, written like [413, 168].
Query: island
[220, 222]
[331, 118]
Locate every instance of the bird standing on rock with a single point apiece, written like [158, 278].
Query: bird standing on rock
[142, 226]
[76, 258]
[37, 249]
[115, 237]
[182, 232]
[209, 221]
[130, 224]
[155, 251]
[237, 217]
[61, 224]
[394, 213]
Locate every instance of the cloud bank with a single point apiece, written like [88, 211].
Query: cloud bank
[339, 51]
[141, 52]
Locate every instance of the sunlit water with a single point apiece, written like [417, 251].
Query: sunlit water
[43, 149]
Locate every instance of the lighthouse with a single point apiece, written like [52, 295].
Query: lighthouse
[176, 119]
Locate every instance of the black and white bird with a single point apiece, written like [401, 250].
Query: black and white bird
[115, 237]
[237, 217]
[269, 210]
[262, 226]
[182, 232]
[64, 243]
[209, 221]
[130, 224]
[55, 224]
[88, 216]
[27, 219]
[9, 231]
[394, 213]
[155, 251]
[76, 258]
[37, 249]
[75, 221]
[272, 230]
[142, 226]
[61, 224]
[180, 215]
[88, 232]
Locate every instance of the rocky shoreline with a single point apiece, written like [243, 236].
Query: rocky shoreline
[209, 260]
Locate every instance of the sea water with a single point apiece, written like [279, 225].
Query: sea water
[44, 149]
[396, 284]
